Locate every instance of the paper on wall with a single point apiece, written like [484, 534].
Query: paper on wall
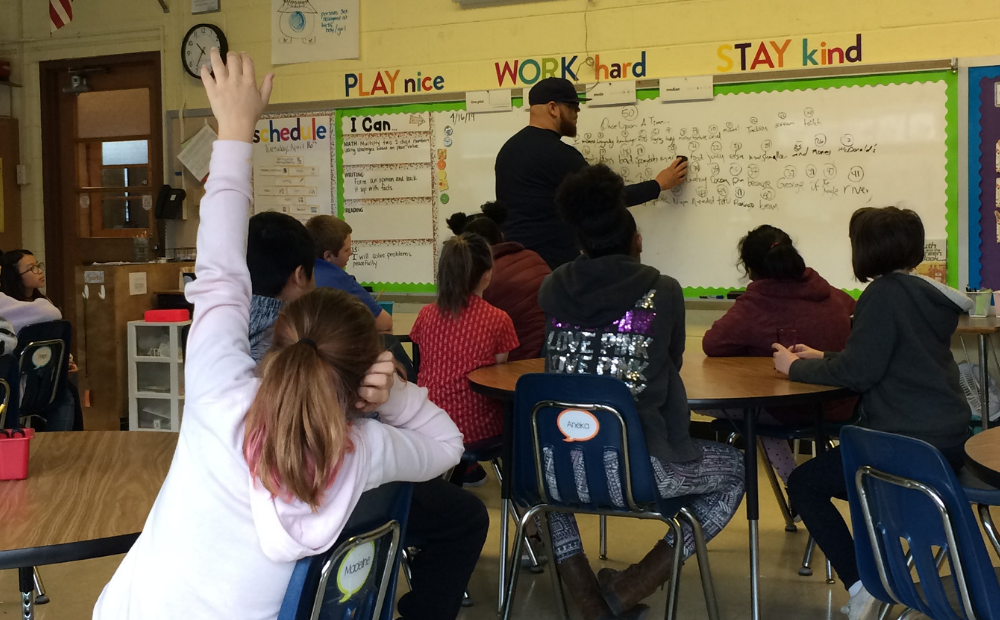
[293, 166]
[314, 30]
[196, 152]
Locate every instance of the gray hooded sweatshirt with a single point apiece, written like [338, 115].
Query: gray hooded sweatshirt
[898, 358]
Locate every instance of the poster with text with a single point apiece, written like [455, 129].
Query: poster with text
[293, 166]
[314, 30]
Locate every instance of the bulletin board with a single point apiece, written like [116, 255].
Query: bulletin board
[801, 155]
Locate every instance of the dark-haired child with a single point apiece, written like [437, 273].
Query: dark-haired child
[782, 294]
[632, 317]
[460, 333]
[517, 274]
[898, 358]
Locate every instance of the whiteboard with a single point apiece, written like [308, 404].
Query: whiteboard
[801, 160]
[802, 156]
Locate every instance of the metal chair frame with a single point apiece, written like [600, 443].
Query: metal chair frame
[962, 585]
[344, 548]
[34, 345]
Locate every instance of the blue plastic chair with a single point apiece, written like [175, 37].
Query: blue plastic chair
[356, 578]
[43, 358]
[902, 489]
[606, 429]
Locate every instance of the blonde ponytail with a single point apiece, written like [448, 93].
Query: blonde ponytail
[297, 428]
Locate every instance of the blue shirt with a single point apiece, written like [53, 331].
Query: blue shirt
[332, 276]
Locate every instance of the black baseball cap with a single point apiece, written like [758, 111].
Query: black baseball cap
[559, 90]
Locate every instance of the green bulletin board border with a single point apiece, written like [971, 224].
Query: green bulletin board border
[950, 79]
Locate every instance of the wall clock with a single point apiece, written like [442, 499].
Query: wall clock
[197, 44]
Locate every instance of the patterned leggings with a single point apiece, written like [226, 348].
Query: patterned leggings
[716, 478]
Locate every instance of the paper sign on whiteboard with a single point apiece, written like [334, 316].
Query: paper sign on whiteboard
[392, 148]
[488, 101]
[377, 182]
[390, 219]
[612, 93]
[395, 261]
[697, 88]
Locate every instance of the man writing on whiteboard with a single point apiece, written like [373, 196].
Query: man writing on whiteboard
[534, 161]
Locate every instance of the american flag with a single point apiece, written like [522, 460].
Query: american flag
[60, 13]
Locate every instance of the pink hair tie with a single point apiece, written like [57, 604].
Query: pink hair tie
[775, 244]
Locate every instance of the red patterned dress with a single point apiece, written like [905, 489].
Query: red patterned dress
[450, 348]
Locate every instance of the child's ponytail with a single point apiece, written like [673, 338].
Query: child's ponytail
[463, 261]
[297, 429]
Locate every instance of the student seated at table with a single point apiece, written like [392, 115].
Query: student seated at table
[782, 294]
[607, 291]
[271, 460]
[448, 524]
[462, 332]
[23, 304]
[898, 358]
[332, 239]
[517, 274]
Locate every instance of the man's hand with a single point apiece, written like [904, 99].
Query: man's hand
[673, 175]
[377, 383]
[236, 100]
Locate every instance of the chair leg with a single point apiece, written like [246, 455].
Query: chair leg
[604, 537]
[503, 552]
[906, 614]
[27, 586]
[884, 611]
[670, 613]
[988, 525]
[829, 573]
[509, 579]
[515, 514]
[779, 495]
[466, 599]
[40, 597]
[805, 570]
[711, 603]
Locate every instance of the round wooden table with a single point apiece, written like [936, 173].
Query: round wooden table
[87, 495]
[748, 383]
[982, 455]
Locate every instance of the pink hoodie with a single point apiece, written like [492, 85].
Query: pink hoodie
[215, 544]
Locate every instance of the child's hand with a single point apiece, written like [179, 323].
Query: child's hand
[806, 353]
[377, 383]
[236, 101]
[783, 358]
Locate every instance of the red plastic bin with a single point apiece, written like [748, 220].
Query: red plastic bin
[14, 453]
[166, 316]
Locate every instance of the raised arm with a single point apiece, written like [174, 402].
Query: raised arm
[218, 350]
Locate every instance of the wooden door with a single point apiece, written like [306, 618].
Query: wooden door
[10, 193]
[102, 150]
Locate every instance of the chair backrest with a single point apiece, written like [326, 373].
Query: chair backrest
[356, 578]
[43, 359]
[567, 423]
[907, 505]
[9, 374]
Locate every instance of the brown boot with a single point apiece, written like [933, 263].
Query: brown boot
[625, 589]
[586, 592]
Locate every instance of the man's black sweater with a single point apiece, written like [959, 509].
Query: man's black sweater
[529, 169]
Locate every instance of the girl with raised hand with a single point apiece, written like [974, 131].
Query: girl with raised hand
[268, 468]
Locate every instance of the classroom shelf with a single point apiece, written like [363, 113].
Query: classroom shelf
[156, 376]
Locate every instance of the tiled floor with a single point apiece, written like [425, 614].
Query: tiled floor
[75, 587]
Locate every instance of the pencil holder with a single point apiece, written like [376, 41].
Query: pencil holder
[981, 303]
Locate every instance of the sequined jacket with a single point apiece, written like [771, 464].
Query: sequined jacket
[614, 316]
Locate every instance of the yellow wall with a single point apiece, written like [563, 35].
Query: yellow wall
[437, 37]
